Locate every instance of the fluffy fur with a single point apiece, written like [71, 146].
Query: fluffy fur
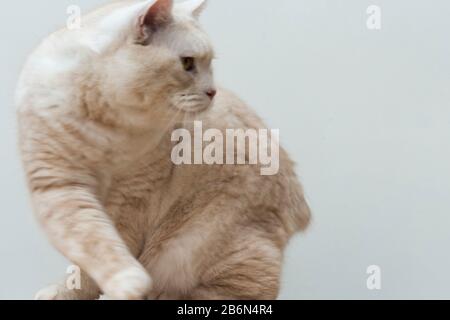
[96, 109]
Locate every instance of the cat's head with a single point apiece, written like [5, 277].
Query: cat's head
[154, 56]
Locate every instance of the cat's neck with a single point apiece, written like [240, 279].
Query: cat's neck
[129, 119]
[128, 132]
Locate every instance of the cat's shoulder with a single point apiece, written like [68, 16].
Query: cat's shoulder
[231, 110]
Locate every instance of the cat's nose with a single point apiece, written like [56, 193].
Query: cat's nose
[211, 93]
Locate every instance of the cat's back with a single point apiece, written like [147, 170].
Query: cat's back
[57, 59]
[281, 189]
[230, 111]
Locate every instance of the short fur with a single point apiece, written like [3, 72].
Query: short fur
[96, 110]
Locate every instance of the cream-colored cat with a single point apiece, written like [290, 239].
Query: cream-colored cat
[97, 106]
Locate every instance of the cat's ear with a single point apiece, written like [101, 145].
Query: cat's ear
[156, 16]
[194, 7]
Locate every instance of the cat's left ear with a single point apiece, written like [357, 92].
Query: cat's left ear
[194, 7]
[156, 16]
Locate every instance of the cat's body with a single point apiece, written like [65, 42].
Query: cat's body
[103, 183]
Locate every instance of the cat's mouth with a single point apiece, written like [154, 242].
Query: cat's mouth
[191, 103]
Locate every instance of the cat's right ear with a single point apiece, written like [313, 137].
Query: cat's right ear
[156, 16]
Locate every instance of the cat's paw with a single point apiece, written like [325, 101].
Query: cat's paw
[48, 293]
[129, 284]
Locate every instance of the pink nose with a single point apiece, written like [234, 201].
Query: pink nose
[211, 93]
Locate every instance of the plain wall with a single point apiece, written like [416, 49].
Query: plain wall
[365, 114]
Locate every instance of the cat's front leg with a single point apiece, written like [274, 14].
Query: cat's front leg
[78, 226]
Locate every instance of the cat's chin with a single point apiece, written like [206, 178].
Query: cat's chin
[191, 103]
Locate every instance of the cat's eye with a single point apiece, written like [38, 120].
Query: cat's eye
[188, 63]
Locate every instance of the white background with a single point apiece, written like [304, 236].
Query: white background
[366, 115]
